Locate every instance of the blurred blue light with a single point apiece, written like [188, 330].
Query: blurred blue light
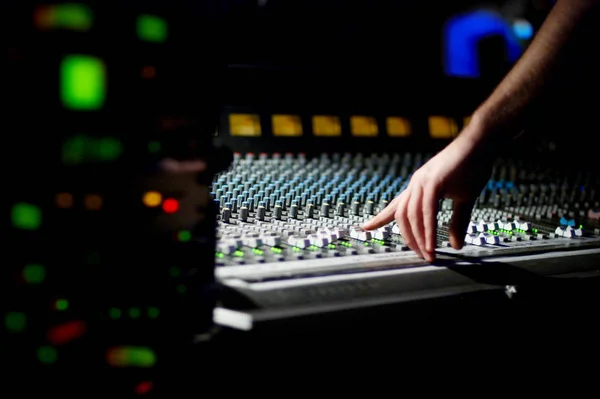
[523, 29]
[463, 32]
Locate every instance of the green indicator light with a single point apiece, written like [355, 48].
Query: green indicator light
[82, 149]
[220, 255]
[26, 216]
[296, 249]
[47, 354]
[15, 321]
[82, 82]
[174, 272]
[34, 274]
[114, 313]
[581, 226]
[61, 304]
[134, 313]
[154, 146]
[129, 356]
[238, 253]
[73, 16]
[181, 289]
[184, 236]
[151, 28]
[153, 312]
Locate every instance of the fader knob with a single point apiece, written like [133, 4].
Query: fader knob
[260, 211]
[244, 212]
[226, 213]
[325, 210]
[277, 212]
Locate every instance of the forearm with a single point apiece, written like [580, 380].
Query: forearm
[501, 115]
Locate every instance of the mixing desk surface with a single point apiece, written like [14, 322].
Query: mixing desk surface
[294, 218]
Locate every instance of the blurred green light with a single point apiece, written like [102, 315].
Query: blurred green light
[83, 149]
[34, 274]
[184, 236]
[129, 356]
[26, 216]
[82, 82]
[153, 312]
[134, 313]
[47, 354]
[174, 272]
[114, 313]
[154, 146]
[61, 304]
[72, 16]
[151, 28]
[15, 321]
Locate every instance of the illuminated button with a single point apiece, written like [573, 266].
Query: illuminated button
[131, 356]
[326, 125]
[441, 127]
[287, 125]
[363, 126]
[114, 313]
[170, 205]
[244, 125]
[64, 200]
[92, 202]
[398, 127]
[152, 199]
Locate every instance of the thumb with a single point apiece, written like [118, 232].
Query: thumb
[461, 216]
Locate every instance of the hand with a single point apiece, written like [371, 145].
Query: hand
[459, 172]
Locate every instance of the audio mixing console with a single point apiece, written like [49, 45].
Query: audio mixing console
[288, 222]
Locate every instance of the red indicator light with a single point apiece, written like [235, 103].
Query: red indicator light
[170, 205]
[66, 333]
[143, 387]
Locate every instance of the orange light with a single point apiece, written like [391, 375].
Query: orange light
[92, 202]
[148, 72]
[152, 199]
[64, 200]
[170, 205]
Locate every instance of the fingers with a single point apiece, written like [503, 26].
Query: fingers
[411, 221]
[461, 216]
[382, 218]
[430, 210]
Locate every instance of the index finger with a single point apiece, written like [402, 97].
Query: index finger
[382, 218]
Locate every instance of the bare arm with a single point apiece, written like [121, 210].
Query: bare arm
[503, 111]
[461, 170]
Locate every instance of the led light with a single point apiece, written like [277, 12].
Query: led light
[184, 236]
[47, 354]
[114, 313]
[134, 313]
[61, 304]
[152, 199]
[170, 205]
[131, 356]
[92, 202]
[67, 332]
[64, 200]
[15, 321]
[83, 82]
[34, 274]
[26, 216]
[151, 28]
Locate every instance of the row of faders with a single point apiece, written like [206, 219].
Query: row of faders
[276, 208]
[108, 240]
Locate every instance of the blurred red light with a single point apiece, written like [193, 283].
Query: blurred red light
[170, 205]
